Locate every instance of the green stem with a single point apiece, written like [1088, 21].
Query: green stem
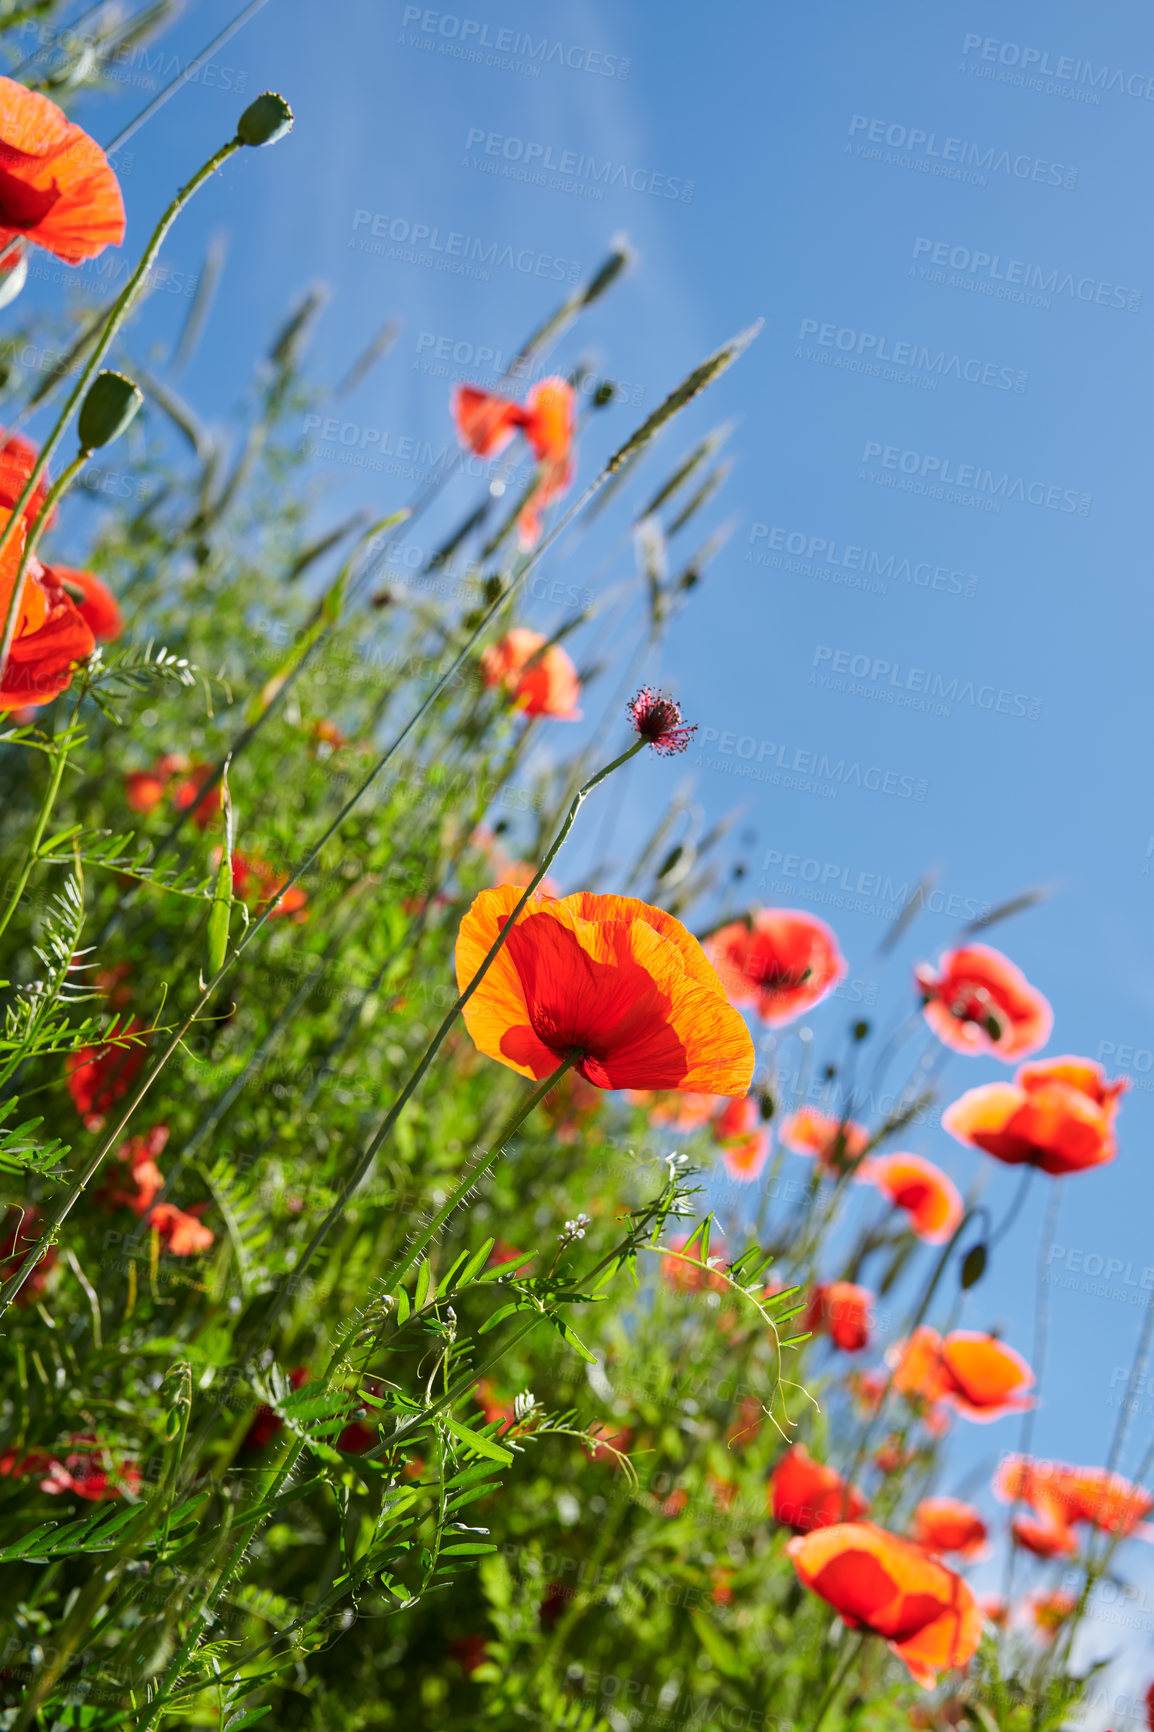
[385, 1129]
[853, 1648]
[120, 310]
[236, 1556]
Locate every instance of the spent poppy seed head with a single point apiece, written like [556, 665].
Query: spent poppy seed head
[659, 721]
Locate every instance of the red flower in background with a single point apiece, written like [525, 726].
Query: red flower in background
[890, 1586]
[56, 186]
[255, 881]
[685, 1274]
[267, 1423]
[744, 1139]
[540, 676]
[88, 1470]
[1050, 1611]
[976, 1374]
[99, 1076]
[947, 1524]
[572, 1106]
[781, 961]
[486, 422]
[139, 1155]
[681, 1112]
[622, 983]
[978, 1001]
[183, 1233]
[805, 1495]
[1061, 1496]
[19, 1236]
[188, 794]
[836, 1143]
[929, 1198]
[1057, 1115]
[469, 1652]
[841, 1310]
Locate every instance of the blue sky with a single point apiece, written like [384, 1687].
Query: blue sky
[941, 215]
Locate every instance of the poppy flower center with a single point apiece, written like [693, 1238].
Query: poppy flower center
[972, 1002]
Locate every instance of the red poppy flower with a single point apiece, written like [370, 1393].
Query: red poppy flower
[1044, 1537]
[1057, 1115]
[255, 881]
[139, 1155]
[893, 1456]
[17, 461]
[1050, 1611]
[204, 807]
[995, 1610]
[144, 790]
[485, 422]
[19, 1236]
[51, 634]
[836, 1143]
[56, 186]
[95, 602]
[976, 1374]
[805, 1495]
[777, 959]
[978, 1001]
[1063, 1495]
[543, 681]
[98, 1076]
[744, 1139]
[868, 1389]
[180, 1229]
[622, 983]
[893, 1588]
[1150, 1708]
[267, 1423]
[469, 1652]
[912, 1183]
[841, 1310]
[90, 1472]
[946, 1524]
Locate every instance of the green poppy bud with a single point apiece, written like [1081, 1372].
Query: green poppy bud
[109, 406]
[265, 120]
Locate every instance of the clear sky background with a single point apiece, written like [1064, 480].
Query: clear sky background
[969, 180]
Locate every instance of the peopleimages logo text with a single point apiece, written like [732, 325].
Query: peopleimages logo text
[920, 356]
[464, 255]
[942, 472]
[915, 688]
[537, 159]
[473, 33]
[1065, 66]
[956, 156]
[851, 558]
[991, 268]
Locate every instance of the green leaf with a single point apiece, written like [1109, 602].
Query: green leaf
[476, 1441]
[250, 1719]
[221, 910]
[424, 1285]
[467, 1550]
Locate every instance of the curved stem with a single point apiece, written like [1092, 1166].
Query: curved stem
[120, 310]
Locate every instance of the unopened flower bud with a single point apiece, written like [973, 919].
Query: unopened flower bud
[109, 406]
[266, 120]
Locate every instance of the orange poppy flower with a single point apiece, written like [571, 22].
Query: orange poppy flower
[543, 681]
[805, 1495]
[976, 1374]
[51, 633]
[1044, 1537]
[139, 1155]
[681, 1112]
[622, 983]
[1050, 1611]
[978, 1001]
[744, 1139]
[685, 1275]
[1064, 1495]
[56, 186]
[841, 1310]
[144, 790]
[912, 1183]
[17, 461]
[99, 1076]
[180, 1229]
[836, 1143]
[485, 422]
[777, 959]
[947, 1524]
[1057, 1115]
[893, 1588]
[95, 602]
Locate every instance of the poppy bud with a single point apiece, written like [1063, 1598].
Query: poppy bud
[493, 588]
[861, 1029]
[605, 393]
[973, 1266]
[108, 408]
[767, 1105]
[266, 120]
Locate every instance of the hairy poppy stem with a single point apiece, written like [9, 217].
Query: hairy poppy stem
[853, 1649]
[121, 309]
[377, 1141]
